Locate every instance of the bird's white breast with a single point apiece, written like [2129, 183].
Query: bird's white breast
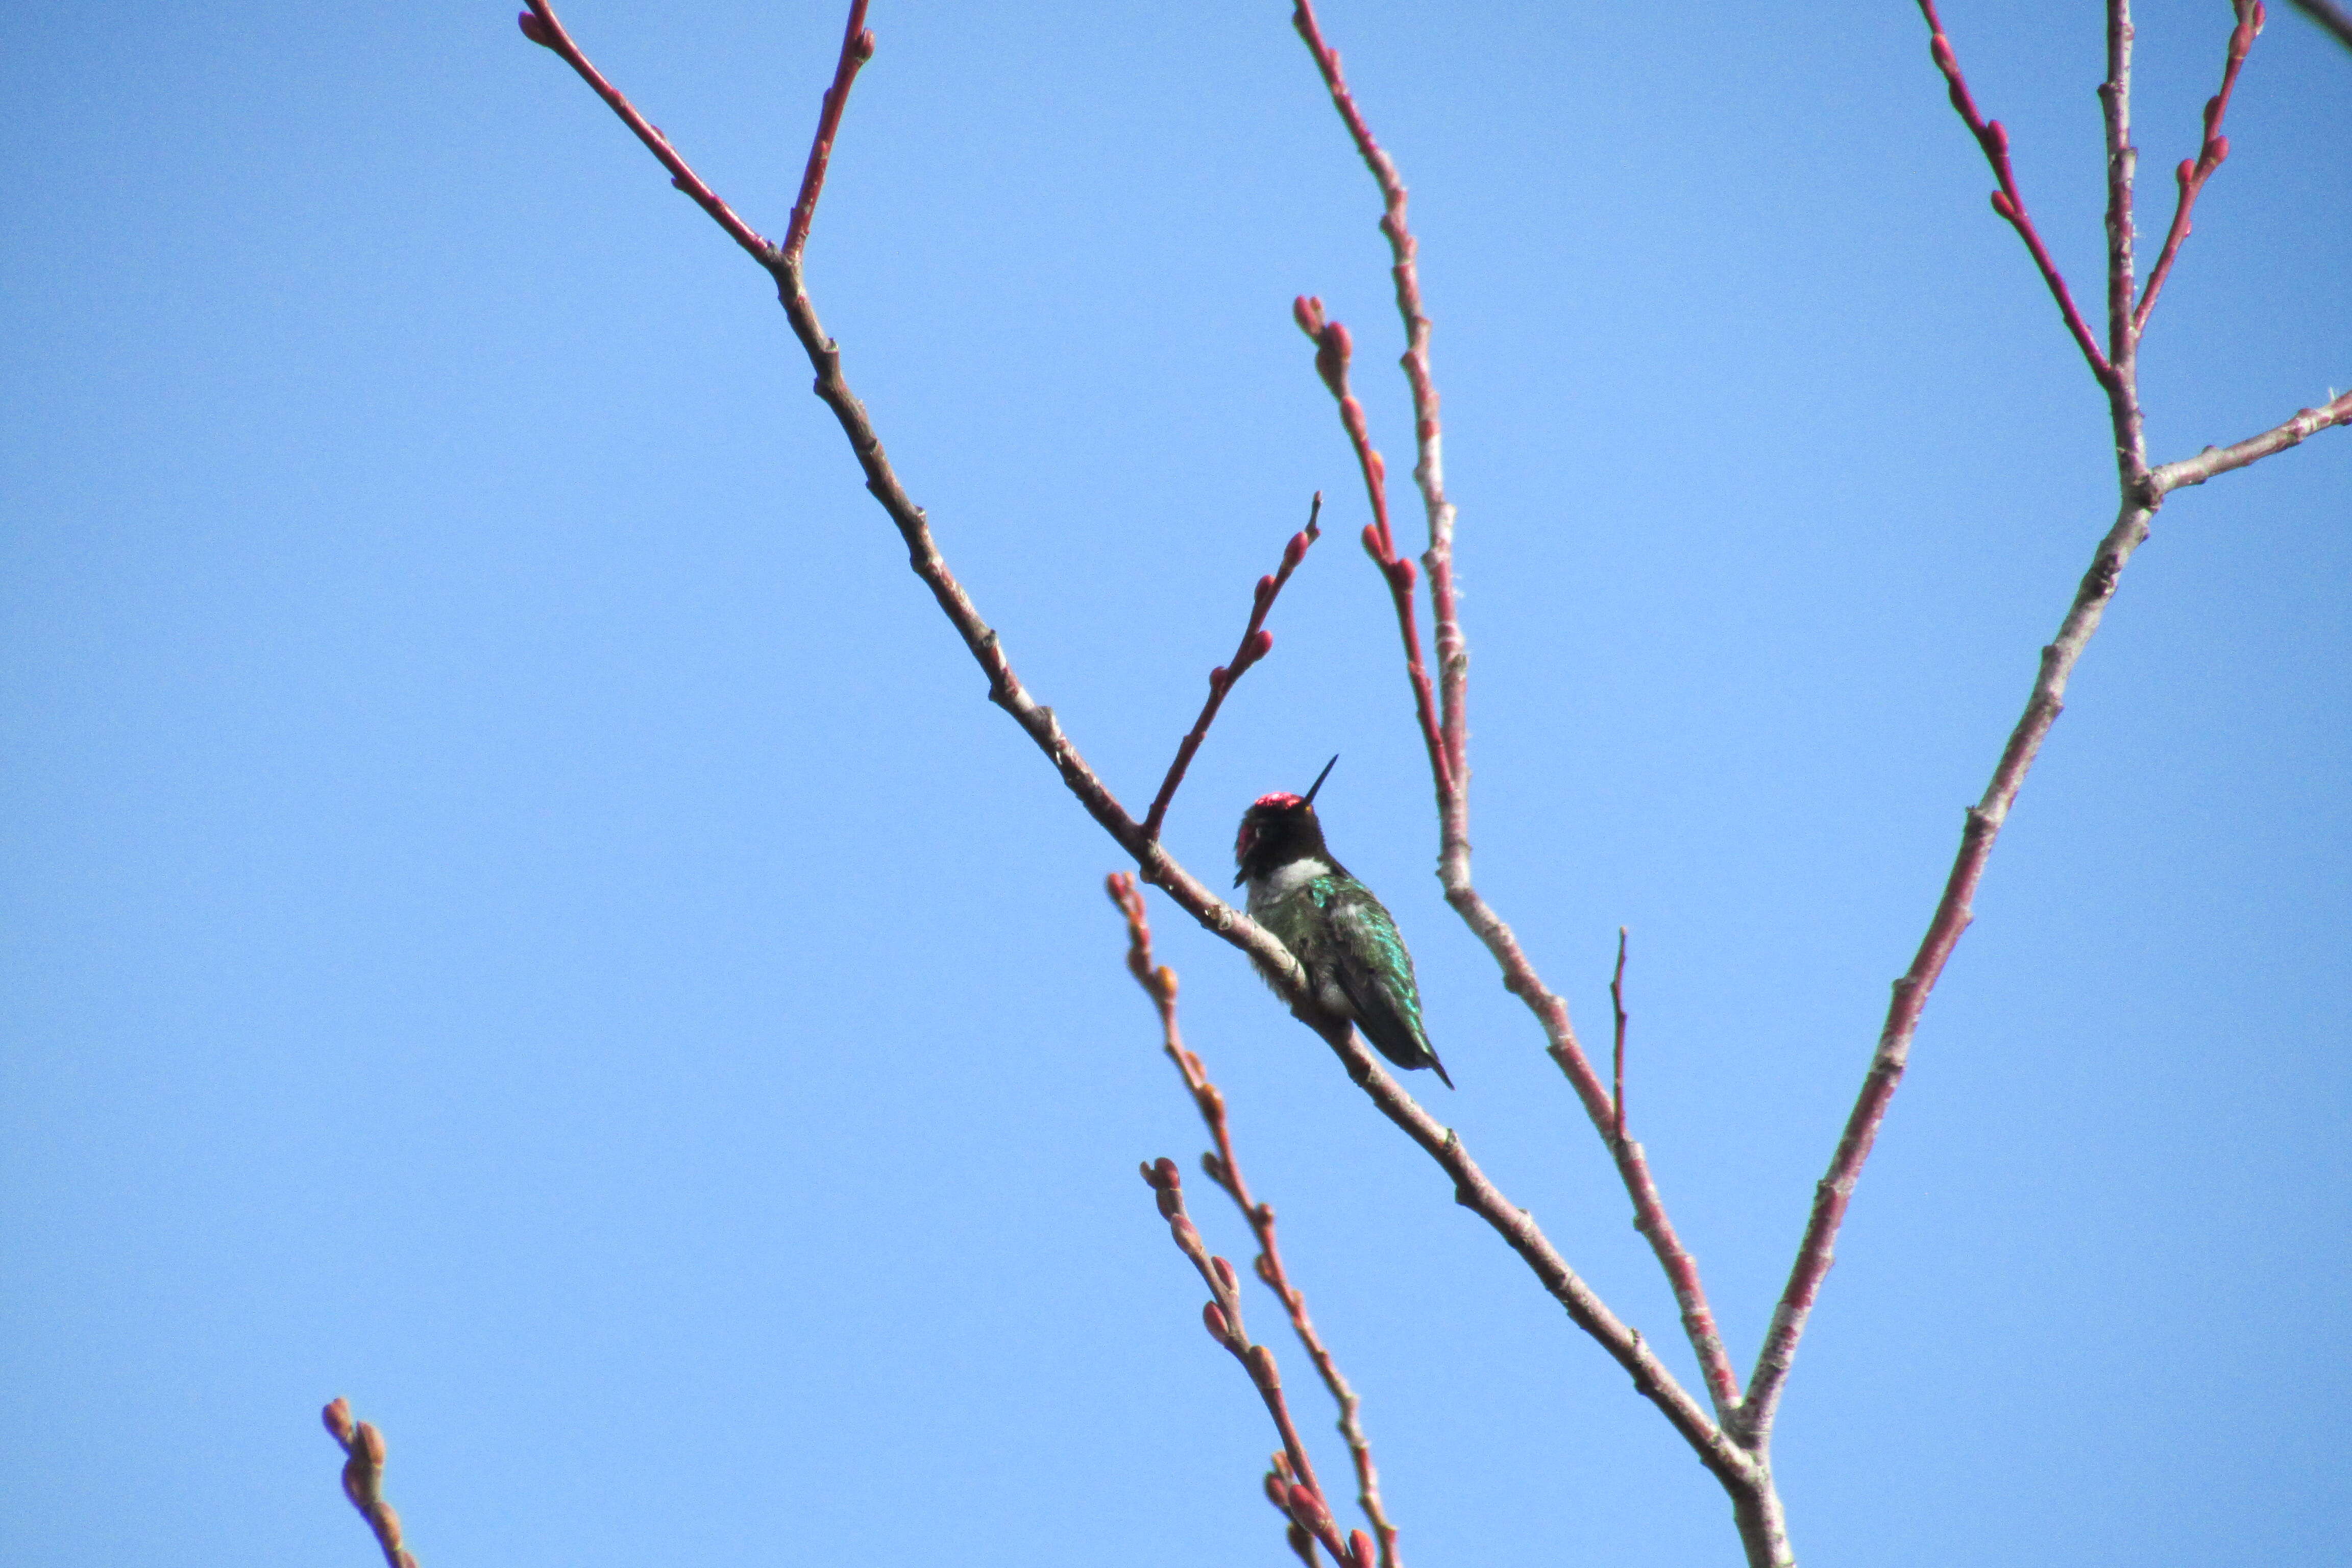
[1283, 882]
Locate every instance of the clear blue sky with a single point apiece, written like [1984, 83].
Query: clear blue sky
[520, 914]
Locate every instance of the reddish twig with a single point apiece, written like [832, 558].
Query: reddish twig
[857, 48]
[1617, 1005]
[1953, 908]
[1304, 1502]
[363, 1479]
[1448, 740]
[1429, 469]
[2192, 173]
[2007, 201]
[1471, 1188]
[2215, 461]
[1332, 350]
[1256, 644]
[2331, 18]
[1224, 1168]
[539, 26]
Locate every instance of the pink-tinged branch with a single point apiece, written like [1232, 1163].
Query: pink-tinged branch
[1223, 1167]
[2007, 201]
[1951, 918]
[1473, 1190]
[363, 1449]
[2331, 17]
[2192, 173]
[1429, 471]
[2215, 461]
[857, 48]
[1447, 736]
[1256, 644]
[1447, 739]
[1304, 1502]
[1333, 348]
[539, 26]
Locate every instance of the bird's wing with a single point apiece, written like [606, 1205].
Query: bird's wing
[1375, 971]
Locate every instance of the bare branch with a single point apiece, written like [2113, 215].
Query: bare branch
[539, 26]
[1446, 736]
[1429, 470]
[857, 48]
[1256, 644]
[1223, 1167]
[1333, 349]
[363, 1479]
[1304, 1501]
[1951, 918]
[2213, 460]
[2191, 175]
[2007, 201]
[2331, 17]
[1471, 1188]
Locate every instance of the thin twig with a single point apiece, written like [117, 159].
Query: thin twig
[2215, 461]
[1429, 469]
[1473, 1190]
[2331, 17]
[1617, 1005]
[1953, 909]
[1223, 1167]
[363, 1479]
[539, 26]
[1308, 1505]
[2007, 201]
[2192, 173]
[857, 48]
[1256, 644]
[1333, 349]
[1447, 735]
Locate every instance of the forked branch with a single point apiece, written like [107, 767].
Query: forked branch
[1223, 1167]
[1471, 1188]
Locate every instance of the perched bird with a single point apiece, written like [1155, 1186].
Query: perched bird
[1357, 966]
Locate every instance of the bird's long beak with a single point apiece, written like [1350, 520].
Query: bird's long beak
[1322, 776]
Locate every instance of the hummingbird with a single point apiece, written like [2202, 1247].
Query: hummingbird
[1357, 966]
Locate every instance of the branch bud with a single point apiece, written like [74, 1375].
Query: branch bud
[535, 30]
[2004, 207]
[1277, 1492]
[1165, 978]
[1211, 1103]
[1996, 137]
[1372, 543]
[1940, 47]
[369, 1447]
[1304, 1544]
[2181, 175]
[1308, 1509]
[1265, 589]
[1359, 1547]
[1262, 1368]
[1225, 1273]
[1261, 643]
[338, 1418]
[1216, 677]
[2215, 151]
[1307, 311]
[1213, 1316]
[1403, 573]
[1212, 1167]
